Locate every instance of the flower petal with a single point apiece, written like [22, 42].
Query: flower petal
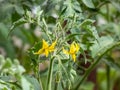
[45, 44]
[77, 47]
[65, 51]
[46, 53]
[51, 48]
[74, 57]
[39, 52]
[72, 48]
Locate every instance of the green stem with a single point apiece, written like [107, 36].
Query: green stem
[102, 4]
[39, 79]
[44, 28]
[49, 78]
[108, 68]
[86, 74]
[108, 13]
[94, 64]
[56, 86]
[37, 75]
[108, 77]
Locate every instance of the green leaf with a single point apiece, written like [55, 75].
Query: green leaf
[26, 85]
[29, 17]
[18, 68]
[89, 3]
[3, 85]
[94, 32]
[38, 16]
[8, 47]
[7, 64]
[71, 36]
[34, 82]
[34, 49]
[3, 30]
[19, 9]
[71, 7]
[28, 36]
[116, 4]
[101, 45]
[83, 53]
[63, 61]
[86, 22]
[7, 78]
[17, 23]
[109, 61]
[10, 67]
[15, 16]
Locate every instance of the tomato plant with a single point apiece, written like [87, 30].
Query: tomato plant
[59, 45]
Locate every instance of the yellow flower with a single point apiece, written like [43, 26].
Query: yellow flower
[74, 48]
[46, 49]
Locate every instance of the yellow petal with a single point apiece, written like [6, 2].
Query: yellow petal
[39, 52]
[77, 47]
[72, 48]
[74, 57]
[46, 53]
[45, 44]
[51, 48]
[65, 51]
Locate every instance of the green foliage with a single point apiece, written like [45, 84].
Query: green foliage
[12, 78]
[89, 3]
[89, 23]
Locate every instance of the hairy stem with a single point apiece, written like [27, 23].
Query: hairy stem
[108, 68]
[49, 78]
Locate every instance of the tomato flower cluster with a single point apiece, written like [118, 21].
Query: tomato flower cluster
[46, 49]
